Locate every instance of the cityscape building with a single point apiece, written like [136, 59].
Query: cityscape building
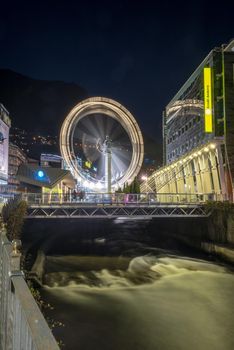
[5, 123]
[48, 159]
[48, 181]
[203, 108]
[16, 158]
[198, 132]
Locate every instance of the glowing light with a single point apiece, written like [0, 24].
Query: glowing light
[212, 145]
[88, 164]
[144, 177]
[40, 173]
[206, 149]
[208, 100]
[114, 110]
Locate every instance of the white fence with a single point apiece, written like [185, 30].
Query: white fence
[22, 325]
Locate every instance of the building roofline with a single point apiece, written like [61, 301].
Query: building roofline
[224, 47]
[229, 46]
[26, 171]
[190, 79]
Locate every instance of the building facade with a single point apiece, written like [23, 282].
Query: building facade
[5, 123]
[51, 184]
[54, 160]
[16, 158]
[203, 109]
[198, 132]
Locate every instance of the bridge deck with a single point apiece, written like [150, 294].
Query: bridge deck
[131, 211]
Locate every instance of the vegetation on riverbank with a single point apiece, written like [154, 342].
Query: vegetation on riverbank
[222, 206]
[13, 214]
[44, 307]
[134, 187]
[221, 222]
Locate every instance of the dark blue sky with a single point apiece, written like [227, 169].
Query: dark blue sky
[137, 52]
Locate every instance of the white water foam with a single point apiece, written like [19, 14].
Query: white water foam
[187, 304]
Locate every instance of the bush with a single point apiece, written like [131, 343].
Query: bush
[133, 188]
[226, 206]
[13, 214]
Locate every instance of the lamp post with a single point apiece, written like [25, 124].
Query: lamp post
[107, 154]
[105, 148]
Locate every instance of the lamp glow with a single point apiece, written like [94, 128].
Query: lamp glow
[40, 173]
[208, 100]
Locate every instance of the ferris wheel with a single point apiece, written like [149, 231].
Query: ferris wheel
[101, 143]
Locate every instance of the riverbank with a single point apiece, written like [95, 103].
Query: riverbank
[132, 284]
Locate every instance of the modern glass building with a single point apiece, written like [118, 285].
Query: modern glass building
[203, 109]
[198, 134]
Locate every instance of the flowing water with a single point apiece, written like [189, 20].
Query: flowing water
[143, 297]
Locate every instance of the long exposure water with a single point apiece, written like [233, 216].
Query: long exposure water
[128, 289]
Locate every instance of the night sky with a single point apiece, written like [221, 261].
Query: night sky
[136, 52]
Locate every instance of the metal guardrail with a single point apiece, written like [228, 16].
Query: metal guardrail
[120, 198]
[140, 205]
[22, 325]
[128, 212]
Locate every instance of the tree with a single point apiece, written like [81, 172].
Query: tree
[13, 214]
[136, 185]
[119, 190]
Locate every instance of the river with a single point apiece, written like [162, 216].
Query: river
[131, 291]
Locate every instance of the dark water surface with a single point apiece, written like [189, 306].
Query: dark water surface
[130, 285]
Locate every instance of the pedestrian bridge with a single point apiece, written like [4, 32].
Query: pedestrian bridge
[129, 206]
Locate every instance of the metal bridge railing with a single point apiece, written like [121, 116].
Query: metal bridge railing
[119, 198]
[22, 325]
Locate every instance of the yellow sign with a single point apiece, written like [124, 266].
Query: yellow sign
[208, 100]
[88, 164]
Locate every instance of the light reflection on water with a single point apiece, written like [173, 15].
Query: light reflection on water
[147, 302]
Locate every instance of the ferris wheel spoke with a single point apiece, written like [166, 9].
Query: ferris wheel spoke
[99, 127]
[122, 154]
[119, 164]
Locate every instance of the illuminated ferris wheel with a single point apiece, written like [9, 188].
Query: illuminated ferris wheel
[101, 143]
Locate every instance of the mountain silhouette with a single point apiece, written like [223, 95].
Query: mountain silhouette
[38, 105]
